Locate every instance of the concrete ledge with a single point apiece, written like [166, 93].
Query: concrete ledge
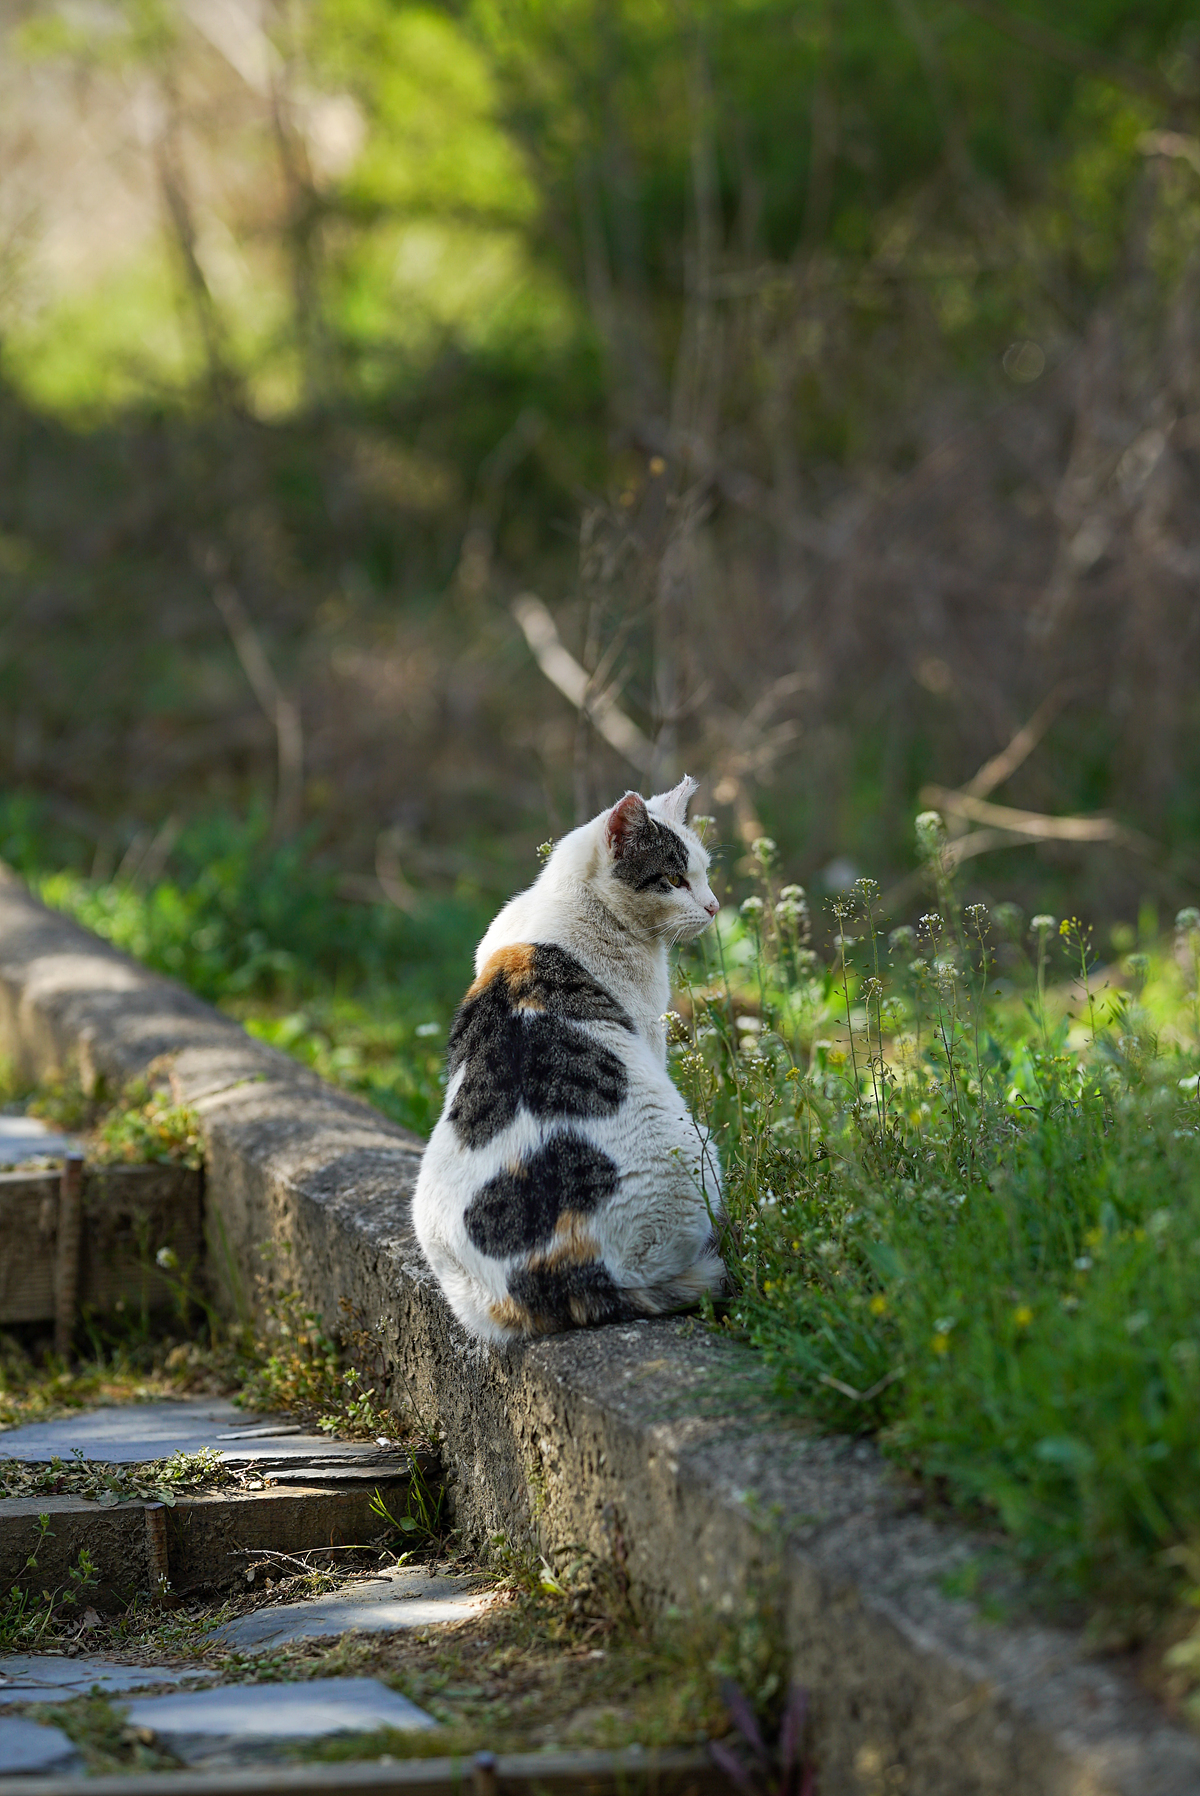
[635, 1441]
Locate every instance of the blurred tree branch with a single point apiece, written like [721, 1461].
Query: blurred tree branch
[563, 671]
[1033, 825]
[1045, 41]
[282, 712]
[177, 199]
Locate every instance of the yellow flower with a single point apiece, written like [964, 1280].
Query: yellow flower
[1022, 1315]
[878, 1304]
[940, 1343]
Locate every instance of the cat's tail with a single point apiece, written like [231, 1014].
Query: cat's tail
[543, 1298]
[705, 1277]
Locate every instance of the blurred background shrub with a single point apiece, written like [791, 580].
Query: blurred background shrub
[829, 371]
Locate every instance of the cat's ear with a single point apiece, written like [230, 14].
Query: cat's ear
[672, 806]
[626, 821]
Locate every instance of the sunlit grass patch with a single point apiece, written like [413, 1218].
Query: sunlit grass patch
[384, 1050]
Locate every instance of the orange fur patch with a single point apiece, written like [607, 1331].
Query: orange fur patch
[507, 1313]
[513, 964]
[574, 1244]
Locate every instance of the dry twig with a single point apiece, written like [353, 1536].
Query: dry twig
[1034, 826]
[281, 711]
[563, 671]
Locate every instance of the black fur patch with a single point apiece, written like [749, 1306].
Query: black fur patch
[515, 1037]
[570, 1296]
[517, 1212]
[654, 853]
[563, 986]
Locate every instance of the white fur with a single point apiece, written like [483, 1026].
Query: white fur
[655, 1233]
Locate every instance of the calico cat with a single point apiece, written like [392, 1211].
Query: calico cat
[565, 1182]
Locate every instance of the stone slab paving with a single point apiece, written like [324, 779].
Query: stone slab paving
[24, 1138]
[141, 1431]
[42, 1677]
[405, 1597]
[30, 1746]
[244, 1720]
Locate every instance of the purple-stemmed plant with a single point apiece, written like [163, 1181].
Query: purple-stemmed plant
[777, 1771]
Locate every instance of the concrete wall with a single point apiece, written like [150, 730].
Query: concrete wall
[651, 1442]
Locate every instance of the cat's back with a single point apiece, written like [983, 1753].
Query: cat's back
[536, 1031]
[526, 1159]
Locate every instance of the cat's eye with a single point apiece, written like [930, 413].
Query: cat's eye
[676, 880]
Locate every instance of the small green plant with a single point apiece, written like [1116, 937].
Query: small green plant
[155, 1481]
[26, 1617]
[144, 1127]
[359, 1415]
[422, 1519]
[139, 1124]
[298, 1366]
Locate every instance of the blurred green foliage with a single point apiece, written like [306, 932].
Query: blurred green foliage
[412, 287]
[241, 917]
[497, 152]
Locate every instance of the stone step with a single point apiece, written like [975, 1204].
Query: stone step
[233, 1724]
[318, 1493]
[401, 1597]
[58, 1677]
[205, 1542]
[27, 1140]
[31, 1747]
[686, 1771]
[126, 1215]
[138, 1432]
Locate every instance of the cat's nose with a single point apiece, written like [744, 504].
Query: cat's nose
[712, 907]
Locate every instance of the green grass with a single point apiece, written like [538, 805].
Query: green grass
[964, 1208]
[241, 920]
[360, 992]
[388, 1048]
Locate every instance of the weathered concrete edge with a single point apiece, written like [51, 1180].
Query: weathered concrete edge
[631, 1441]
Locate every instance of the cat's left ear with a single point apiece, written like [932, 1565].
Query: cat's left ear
[626, 821]
[672, 806]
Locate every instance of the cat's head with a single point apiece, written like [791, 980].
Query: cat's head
[654, 869]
